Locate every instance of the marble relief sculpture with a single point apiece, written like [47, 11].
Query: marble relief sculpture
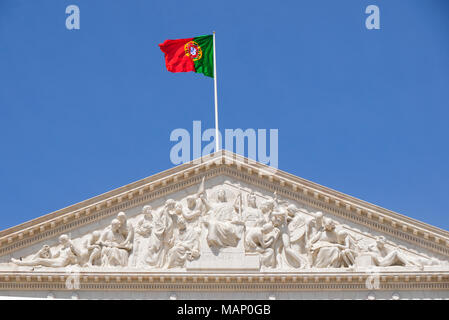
[186, 246]
[223, 223]
[324, 247]
[115, 247]
[161, 236]
[142, 235]
[281, 234]
[92, 248]
[385, 257]
[66, 255]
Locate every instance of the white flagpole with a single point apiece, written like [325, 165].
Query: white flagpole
[217, 146]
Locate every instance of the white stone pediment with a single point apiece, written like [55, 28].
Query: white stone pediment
[224, 216]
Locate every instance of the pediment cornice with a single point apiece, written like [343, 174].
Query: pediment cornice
[225, 163]
[176, 281]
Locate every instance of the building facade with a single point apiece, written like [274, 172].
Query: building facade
[224, 227]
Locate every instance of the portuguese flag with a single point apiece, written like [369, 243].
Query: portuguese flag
[191, 54]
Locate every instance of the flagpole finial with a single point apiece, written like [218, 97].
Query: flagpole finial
[213, 32]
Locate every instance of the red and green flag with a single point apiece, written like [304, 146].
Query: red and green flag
[191, 54]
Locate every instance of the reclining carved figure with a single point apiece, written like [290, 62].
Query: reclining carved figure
[66, 255]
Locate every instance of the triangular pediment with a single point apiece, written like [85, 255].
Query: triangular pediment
[223, 214]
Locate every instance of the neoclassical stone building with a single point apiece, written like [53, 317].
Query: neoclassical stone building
[224, 227]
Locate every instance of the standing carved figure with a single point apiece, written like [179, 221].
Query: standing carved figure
[297, 229]
[285, 255]
[313, 227]
[161, 238]
[254, 222]
[141, 237]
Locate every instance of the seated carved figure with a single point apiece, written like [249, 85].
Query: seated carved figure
[223, 233]
[324, 247]
[222, 209]
[350, 251]
[66, 255]
[114, 250]
[92, 249]
[255, 236]
[186, 246]
[224, 224]
[385, 257]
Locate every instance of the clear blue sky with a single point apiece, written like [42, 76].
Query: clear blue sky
[361, 111]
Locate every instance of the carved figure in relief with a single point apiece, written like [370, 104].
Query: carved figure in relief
[257, 239]
[314, 225]
[224, 224]
[186, 246]
[252, 215]
[350, 249]
[141, 238]
[66, 255]
[115, 250]
[197, 206]
[281, 234]
[324, 247]
[254, 225]
[222, 209]
[297, 229]
[162, 235]
[270, 237]
[254, 241]
[92, 249]
[260, 234]
[223, 233]
[126, 229]
[384, 257]
[285, 255]
[144, 224]
[267, 207]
